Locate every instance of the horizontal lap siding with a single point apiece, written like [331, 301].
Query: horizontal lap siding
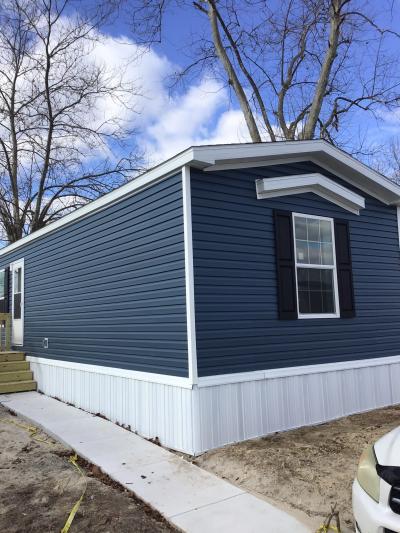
[110, 289]
[237, 323]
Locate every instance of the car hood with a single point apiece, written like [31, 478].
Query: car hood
[387, 448]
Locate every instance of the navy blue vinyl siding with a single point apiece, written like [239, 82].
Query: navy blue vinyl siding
[109, 289]
[235, 279]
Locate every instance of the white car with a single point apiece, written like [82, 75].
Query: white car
[376, 489]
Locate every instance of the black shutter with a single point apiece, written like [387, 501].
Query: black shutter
[4, 303]
[344, 269]
[284, 247]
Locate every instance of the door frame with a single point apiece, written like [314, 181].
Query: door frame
[18, 263]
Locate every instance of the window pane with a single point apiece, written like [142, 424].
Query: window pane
[316, 302]
[17, 280]
[301, 228]
[313, 238]
[328, 304]
[326, 231]
[17, 305]
[303, 278]
[1, 283]
[315, 290]
[327, 280]
[313, 229]
[304, 302]
[302, 251]
[327, 253]
[314, 253]
[314, 277]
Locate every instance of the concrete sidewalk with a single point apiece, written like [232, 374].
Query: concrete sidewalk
[189, 497]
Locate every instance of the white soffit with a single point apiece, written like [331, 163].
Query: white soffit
[315, 183]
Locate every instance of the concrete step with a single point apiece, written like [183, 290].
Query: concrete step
[11, 366]
[17, 386]
[16, 375]
[11, 356]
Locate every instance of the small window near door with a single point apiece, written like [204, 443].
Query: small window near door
[2, 288]
[315, 262]
[17, 292]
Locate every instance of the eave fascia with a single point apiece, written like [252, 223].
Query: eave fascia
[310, 183]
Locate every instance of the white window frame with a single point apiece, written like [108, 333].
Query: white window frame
[336, 314]
[18, 263]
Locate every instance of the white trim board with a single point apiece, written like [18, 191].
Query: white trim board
[315, 183]
[321, 152]
[219, 379]
[230, 155]
[189, 274]
[398, 223]
[275, 373]
[163, 379]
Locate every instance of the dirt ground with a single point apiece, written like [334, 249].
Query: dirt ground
[39, 486]
[307, 469]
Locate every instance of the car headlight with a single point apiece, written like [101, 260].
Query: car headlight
[366, 473]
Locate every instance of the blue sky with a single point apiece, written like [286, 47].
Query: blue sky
[201, 110]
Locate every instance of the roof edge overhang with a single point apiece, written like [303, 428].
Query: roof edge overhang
[322, 153]
[232, 156]
[315, 183]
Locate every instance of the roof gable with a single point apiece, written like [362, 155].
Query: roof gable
[325, 155]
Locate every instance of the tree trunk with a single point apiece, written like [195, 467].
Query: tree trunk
[330, 55]
[232, 76]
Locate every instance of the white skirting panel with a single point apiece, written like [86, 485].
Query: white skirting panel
[217, 412]
[151, 409]
[246, 409]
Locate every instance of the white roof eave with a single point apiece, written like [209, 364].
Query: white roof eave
[315, 183]
[318, 151]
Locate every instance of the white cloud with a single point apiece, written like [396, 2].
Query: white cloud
[168, 124]
[231, 128]
[186, 119]
[140, 70]
[390, 117]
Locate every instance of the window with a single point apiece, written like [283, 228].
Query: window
[17, 292]
[315, 264]
[2, 276]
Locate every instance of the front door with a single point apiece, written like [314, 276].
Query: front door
[17, 302]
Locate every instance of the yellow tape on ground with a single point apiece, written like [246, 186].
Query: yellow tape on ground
[33, 430]
[326, 529]
[73, 459]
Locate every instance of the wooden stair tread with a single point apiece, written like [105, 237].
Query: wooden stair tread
[16, 375]
[10, 366]
[11, 356]
[17, 386]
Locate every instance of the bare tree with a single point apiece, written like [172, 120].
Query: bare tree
[57, 145]
[298, 68]
[386, 158]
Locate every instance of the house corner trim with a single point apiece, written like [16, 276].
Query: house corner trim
[189, 275]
